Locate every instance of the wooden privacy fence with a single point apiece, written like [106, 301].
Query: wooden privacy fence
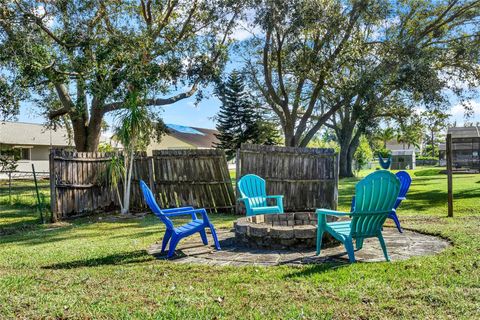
[193, 177]
[307, 177]
[78, 183]
[199, 178]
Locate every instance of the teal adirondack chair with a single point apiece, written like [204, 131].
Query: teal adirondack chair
[254, 194]
[375, 197]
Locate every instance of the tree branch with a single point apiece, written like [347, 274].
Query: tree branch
[39, 22]
[354, 16]
[153, 102]
[65, 99]
[267, 72]
[321, 121]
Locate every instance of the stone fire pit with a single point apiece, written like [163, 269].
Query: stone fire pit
[293, 230]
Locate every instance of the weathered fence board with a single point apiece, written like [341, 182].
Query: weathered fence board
[307, 177]
[78, 183]
[198, 178]
[142, 170]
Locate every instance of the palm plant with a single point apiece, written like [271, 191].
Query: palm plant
[134, 129]
[115, 175]
[385, 135]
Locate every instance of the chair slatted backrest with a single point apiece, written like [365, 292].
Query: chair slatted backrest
[405, 182]
[385, 164]
[375, 197]
[253, 187]
[152, 204]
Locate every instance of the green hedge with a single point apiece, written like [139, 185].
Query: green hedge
[426, 158]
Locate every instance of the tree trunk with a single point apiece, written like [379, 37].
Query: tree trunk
[126, 199]
[352, 148]
[346, 160]
[344, 136]
[349, 143]
[345, 166]
[433, 143]
[85, 137]
[86, 132]
[289, 134]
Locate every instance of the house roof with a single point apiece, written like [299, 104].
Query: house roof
[197, 137]
[32, 134]
[464, 132]
[395, 145]
[405, 152]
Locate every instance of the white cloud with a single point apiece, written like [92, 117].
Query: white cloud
[246, 28]
[454, 80]
[40, 12]
[458, 111]
[240, 34]
[243, 32]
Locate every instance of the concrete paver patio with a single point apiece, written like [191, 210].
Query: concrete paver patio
[400, 246]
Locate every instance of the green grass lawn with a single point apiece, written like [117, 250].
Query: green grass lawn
[97, 267]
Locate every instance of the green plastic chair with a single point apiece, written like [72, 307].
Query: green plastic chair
[375, 197]
[253, 193]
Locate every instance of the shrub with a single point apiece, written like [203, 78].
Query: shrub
[385, 153]
[427, 158]
[427, 172]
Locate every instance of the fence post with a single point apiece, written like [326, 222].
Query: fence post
[238, 170]
[39, 205]
[150, 174]
[10, 187]
[337, 178]
[53, 194]
[449, 174]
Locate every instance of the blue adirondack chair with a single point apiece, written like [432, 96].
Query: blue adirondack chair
[405, 181]
[385, 164]
[375, 197]
[254, 194]
[172, 234]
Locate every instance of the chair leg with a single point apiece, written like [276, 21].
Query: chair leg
[359, 243]
[384, 247]
[319, 240]
[204, 237]
[166, 238]
[173, 244]
[349, 247]
[214, 236]
[397, 222]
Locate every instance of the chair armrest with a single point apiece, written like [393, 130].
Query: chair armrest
[203, 212]
[323, 213]
[246, 201]
[279, 200]
[273, 197]
[181, 213]
[172, 210]
[192, 212]
[329, 212]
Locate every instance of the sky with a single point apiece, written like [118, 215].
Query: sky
[183, 112]
[186, 113]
